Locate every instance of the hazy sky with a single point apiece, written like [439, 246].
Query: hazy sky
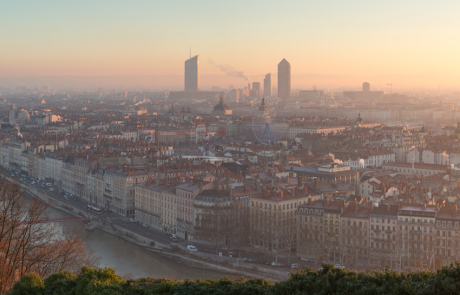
[367, 39]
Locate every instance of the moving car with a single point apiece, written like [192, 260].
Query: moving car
[304, 259]
[295, 265]
[192, 248]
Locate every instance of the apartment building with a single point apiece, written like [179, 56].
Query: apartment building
[447, 249]
[416, 238]
[273, 217]
[319, 230]
[417, 168]
[148, 203]
[214, 214]
[383, 222]
[186, 193]
[355, 233]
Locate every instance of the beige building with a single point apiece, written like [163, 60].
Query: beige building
[354, 236]
[155, 204]
[319, 230]
[273, 217]
[417, 168]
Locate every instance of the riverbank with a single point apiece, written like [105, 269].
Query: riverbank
[175, 253]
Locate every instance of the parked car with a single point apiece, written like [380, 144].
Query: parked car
[252, 260]
[304, 259]
[48, 184]
[51, 189]
[192, 248]
[277, 264]
[295, 265]
[242, 258]
[339, 266]
[144, 225]
[131, 220]
[174, 239]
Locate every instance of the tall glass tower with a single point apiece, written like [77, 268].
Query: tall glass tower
[192, 74]
[284, 79]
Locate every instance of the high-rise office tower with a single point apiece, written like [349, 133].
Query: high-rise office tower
[192, 74]
[268, 85]
[284, 79]
[256, 86]
[366, 86]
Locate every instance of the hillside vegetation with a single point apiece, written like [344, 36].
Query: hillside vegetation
[330, 280]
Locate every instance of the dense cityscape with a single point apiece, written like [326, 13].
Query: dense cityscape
[229, 148]
[360, 179]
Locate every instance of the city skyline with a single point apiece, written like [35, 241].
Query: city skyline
[112, 40]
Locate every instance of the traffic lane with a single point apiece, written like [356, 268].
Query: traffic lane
[139, 229]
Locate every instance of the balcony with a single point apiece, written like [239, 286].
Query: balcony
[415, 231]
[381, 240]
[107, 196]
[382, 250]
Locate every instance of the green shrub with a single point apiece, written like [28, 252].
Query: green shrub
[329, 280]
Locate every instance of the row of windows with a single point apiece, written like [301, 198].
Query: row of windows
[269, 206]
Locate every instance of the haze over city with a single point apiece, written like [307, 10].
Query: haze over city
[143, 43]
[242, 147]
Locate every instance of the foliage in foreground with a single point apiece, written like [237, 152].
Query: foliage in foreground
[330, 280]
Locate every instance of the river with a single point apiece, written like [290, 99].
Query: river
[131, 259]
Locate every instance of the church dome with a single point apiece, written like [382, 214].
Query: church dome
[221, 106]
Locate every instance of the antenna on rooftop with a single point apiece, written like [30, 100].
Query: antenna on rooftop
[190, 51]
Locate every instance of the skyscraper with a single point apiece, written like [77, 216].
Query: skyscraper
[268, 85]
[192, 74]
[284, 79]
[256, 87]
[366, 86]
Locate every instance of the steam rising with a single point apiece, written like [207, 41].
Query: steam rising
[230, 71]
[142, 102]
[336, 161]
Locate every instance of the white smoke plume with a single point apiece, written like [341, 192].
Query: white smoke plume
[229, 70]
[336, 161]
[144, 101]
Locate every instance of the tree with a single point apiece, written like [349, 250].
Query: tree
[28, 246]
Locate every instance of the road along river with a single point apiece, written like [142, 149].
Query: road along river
[131, 259]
